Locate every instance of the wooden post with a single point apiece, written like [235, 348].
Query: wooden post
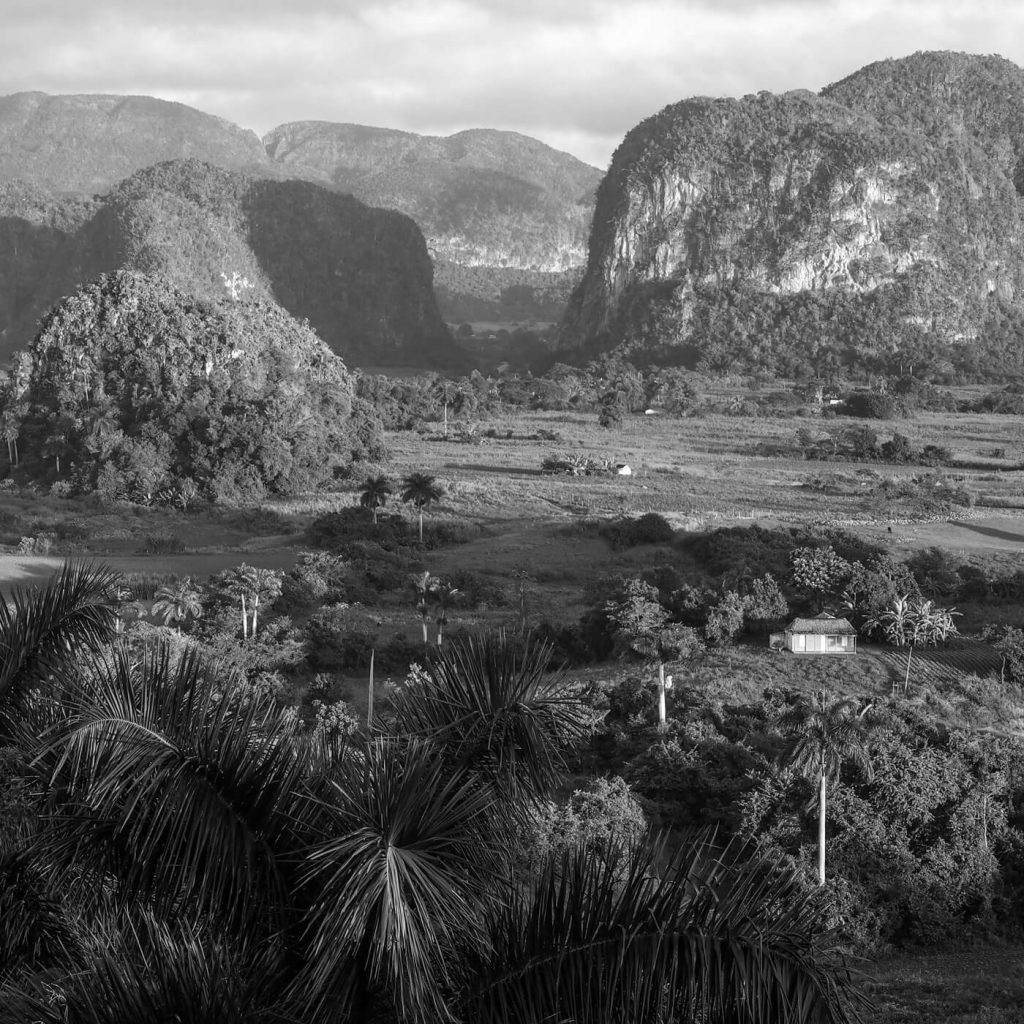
[661, 695]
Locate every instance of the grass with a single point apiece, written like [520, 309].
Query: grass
[980, 986]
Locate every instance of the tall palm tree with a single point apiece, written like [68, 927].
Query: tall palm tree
[176, 602]
[827, 733]
[375, 493]
[421, 489]
[445, 596]
[423, 585]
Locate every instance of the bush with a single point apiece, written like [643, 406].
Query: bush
[650, 528]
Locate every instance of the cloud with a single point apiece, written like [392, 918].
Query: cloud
[575, 73]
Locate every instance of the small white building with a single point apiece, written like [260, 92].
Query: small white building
[823, 634]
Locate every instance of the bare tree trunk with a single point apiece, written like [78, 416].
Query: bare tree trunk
[426, 638]
[906, 680]
[421, 524]
[255, 609]
[369, 692]
[661, 695]
[821, 830]
[245, 620]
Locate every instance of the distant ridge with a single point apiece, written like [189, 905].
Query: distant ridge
[360, 276]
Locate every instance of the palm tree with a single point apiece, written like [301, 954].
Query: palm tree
[266, 586]
[639, 934]
[40, 630]
[175, 602]
[375, 493]
[423, 585]
[240, 582]
[444, 597]
[827, 733]
[421, 489]
[492, 704]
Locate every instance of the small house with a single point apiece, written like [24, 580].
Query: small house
[823, 634]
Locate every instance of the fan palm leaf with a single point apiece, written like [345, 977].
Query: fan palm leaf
[399, 878]
[606, 939]
[178, 781]
[493, 705]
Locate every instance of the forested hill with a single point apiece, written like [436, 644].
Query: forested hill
[875, 227]
[498, 209]
[361, 276]
[86, 144]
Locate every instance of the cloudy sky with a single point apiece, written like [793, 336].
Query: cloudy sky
[574, 73]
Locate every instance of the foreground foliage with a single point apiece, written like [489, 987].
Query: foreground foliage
[179, 847]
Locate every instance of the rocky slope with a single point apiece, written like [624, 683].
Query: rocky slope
[360, 276]
[876, 226]
[498, 209]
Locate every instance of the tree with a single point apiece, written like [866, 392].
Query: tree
[642, 627]
[423, 585]
[445, 596]
[176, 602]
[910, 625]
[818, 572]
[375, 493]
[422, 490]
[250, 585]
[827, 733]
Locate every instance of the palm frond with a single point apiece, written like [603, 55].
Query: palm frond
[74, 614]
[400, 876]
[611, 939]
[492, 703]
[176, 779]
[35, 933]
[152, 974]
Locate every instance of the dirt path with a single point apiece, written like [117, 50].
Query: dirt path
[21, 570]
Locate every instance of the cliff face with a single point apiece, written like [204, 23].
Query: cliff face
[85, 144]
[360, 276]
[498, 203]
[798, 232]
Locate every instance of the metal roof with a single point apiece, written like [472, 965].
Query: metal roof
[822, 625]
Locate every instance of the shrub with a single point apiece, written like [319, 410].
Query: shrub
[650, 528]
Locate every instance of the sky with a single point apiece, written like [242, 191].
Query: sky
[577, 74]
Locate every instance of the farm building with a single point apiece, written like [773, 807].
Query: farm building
[824, 634]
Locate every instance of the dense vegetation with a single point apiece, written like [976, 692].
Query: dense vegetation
[175, 844]
[134, 389]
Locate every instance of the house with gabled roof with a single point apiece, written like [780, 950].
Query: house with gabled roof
[822, 634]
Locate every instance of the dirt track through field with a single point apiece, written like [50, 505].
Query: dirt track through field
[25, 570]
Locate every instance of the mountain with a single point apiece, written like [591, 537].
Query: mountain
[875, 226]
[135, 389]
[360, 276]
[499, 210]
[86, 144]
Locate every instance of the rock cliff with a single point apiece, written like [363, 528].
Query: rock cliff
[498, 209]
[866, 227]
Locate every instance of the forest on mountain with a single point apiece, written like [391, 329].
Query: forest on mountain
[140, 392]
